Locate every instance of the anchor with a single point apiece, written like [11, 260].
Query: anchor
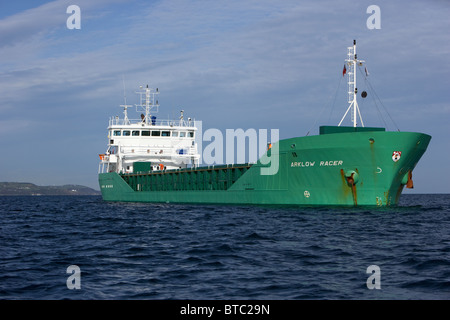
[352, 178]
[410, 184]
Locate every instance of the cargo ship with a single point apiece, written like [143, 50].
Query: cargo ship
[154, 160]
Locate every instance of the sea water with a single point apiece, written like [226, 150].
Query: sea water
[174, 251]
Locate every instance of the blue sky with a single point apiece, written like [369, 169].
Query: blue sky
[232, 64]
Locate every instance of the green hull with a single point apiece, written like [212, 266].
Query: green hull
[341, 166]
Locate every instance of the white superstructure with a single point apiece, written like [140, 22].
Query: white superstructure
[161, 144]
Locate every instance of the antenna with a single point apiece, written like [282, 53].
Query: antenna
[124, 92]
[352, 61]
[125, 106]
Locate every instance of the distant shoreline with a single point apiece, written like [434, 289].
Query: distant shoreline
[30, 189]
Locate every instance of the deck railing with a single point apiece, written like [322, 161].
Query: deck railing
[115, 121]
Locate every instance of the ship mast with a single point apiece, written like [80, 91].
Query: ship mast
[148, 102]
[352, 61]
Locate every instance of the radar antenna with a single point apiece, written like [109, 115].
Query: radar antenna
[148, 102]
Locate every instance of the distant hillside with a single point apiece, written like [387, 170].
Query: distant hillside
[30, 189]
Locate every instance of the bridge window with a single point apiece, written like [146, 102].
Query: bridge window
[165, 133]
[126, 132]
[135, 133]
[117, 132]
[146, 133]
[156, 133]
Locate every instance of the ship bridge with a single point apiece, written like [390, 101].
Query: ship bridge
[148, 142]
